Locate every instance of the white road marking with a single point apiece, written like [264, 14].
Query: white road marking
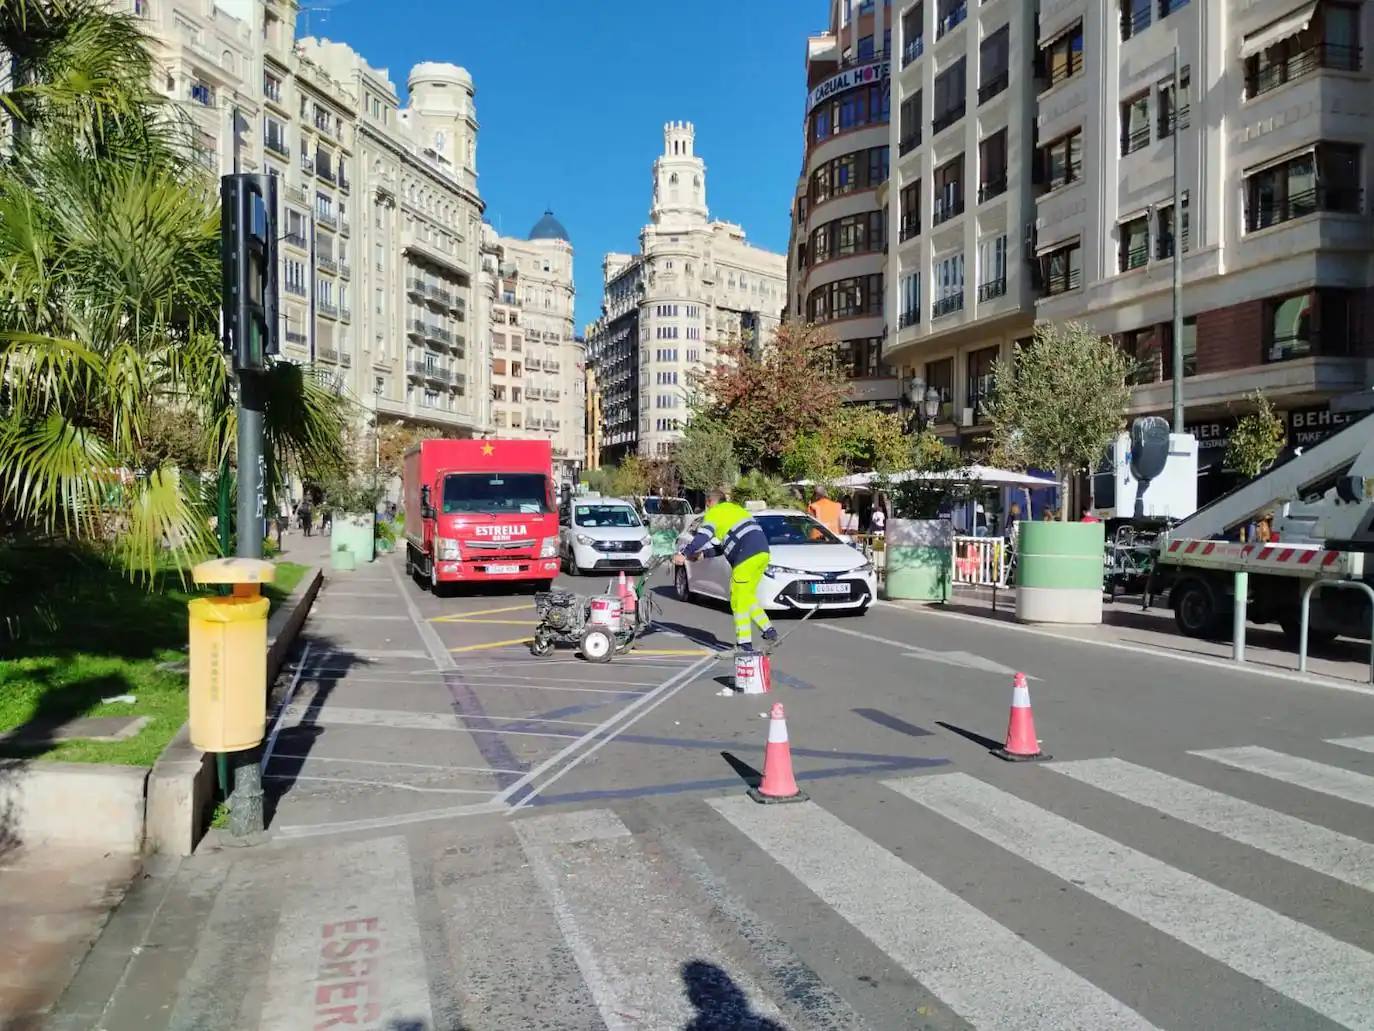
[316, 830]
[347, 950]
[300, 714]
[965, 660]
[1310, 967]
[387, 762]
[976, 966]
[1363, 744]
[1292, 769]
[590, 868]
[389, 784]
[1306, 844]
[370, 617]
[276, 718]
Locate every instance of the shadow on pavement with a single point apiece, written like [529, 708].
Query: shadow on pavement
[720, 1004]
[751, 777]
[971, 735]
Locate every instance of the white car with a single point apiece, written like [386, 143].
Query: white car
[603, 535]
[808, 567]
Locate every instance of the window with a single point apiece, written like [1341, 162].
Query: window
[295, 276]
[1168, 7]
[861, 357]
[1141, 347]
[1189, 348]
[1062, 57]
[913, 41]
[948, 282]
[949, 96]
[856, 234]
[1062, 268]
[1164, 229]
[1331, 39]
[1062, 160]
[992, 166]
[940, 378]
[1135, 124]
[848, 173]
[853, 109]
[1172, 110]
[274, 136]
[202, 93]
[846, 298]
[877, 166]
[1135, 17]
[909, 121]
[911, 299]
[866, 48]
[993, 55]
[271, 87]
[949, 191]
[948, 14]
[992, 267]
[910, 213]
[981, 366]
[1326, 178]
[1308, 323]
[1133, 248]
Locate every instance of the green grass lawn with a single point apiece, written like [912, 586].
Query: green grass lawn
[86, 633]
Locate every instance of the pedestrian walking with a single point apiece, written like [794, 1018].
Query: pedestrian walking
[745, 547]
[326, 517]
[283, 520]
[879, 521]
[305, 512]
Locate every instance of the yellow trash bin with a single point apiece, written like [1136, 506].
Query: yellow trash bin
[228, 656]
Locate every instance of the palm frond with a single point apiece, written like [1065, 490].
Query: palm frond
[165, 521]
[54, 473]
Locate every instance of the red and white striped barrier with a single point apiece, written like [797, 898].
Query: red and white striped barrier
[1307, 560]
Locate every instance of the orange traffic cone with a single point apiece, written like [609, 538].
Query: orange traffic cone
[778, 783]
[1022, 744]
[628, 599]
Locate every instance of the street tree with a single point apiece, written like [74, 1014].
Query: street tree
[1257, 439]
[705, 456]
[1059, 402]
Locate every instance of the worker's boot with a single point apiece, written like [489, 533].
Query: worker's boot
[770, 640]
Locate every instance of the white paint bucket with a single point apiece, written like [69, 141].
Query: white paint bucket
[753, 673]
[606, 611]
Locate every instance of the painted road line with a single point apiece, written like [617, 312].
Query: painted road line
[458, 617]
[312, 757]
[598, 882]
[673, 651]
[369, 616]
[1292, 769]
[387, 784]
[438, 654]
[1363, 744]
[276, 717]
[1316, 848]
[299, 714]
[964, 660]
[977, 967]
[1310, 967]
[319, 830]
[493, 622]
[555, 679]
[371, 653]
[348, 950]
[607, 728]
[490, 645]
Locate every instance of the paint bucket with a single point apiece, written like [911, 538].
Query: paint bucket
[753, 673]
[606, 611]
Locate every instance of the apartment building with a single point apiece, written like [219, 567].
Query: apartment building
[1267, 115]
[696, 282]
[537, 364]
[839, 240]
[958, 200]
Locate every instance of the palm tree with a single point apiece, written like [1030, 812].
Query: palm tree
[109, 298]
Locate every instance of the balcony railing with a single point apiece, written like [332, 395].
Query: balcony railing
[1333, 56]
[1164, 245]
[1134, 22]
[415, 328]
[947, 305]
[993, 288]
[1063, 283]
[307, 163]
[296, 240]
[271, 89]
[1133, 258]
[1135, 139]
[295, 336]
[277, 145]
[992, 188]
[324, 218]
[914, 48]
[436, 293]
[909, 229]
[327, 308]
[909, 318]
[946, 208]
[298, 289]
[295, 194]
[438, 333]
[345, 312]
[324, 171]
[951, 19]
[327, 354]
[1345, 200]
[326, 263]
[945, 119]
[345, 269]
[993, 86]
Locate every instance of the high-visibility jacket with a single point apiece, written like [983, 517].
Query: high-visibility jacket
[740, 535]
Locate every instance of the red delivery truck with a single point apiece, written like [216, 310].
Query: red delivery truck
[480, 511]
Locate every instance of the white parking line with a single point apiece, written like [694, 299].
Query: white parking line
[296, 779]
[391, 762]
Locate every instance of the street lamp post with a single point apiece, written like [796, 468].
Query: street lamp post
[921, 405]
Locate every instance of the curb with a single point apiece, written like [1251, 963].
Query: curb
[182, 781]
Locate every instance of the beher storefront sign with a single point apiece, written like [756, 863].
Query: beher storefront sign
[1308, 426]
[848, 79]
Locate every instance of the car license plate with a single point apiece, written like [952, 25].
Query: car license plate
[498, 570]
[830, 588]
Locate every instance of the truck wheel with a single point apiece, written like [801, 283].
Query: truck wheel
[1195, 608]
[597, 645]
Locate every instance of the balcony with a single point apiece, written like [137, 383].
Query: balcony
[271, 89]
[1133, 257]
[945, 119]
[327, 308]
[908, 229]
[325, 172]
[991, 289]
[345, 269]
[415, 369]
[438, 294]
[946, 208]
[277, 146]
[307, 163]
[296, 195]
[415, 287]
[459, 345]
[993, 86]
[909, 318]
[415, 328]
[551, 367]
[298, 289]
[343, 226]
[1064, 70]
[951, 19]
[438, 333]
[326, 263]
[295, 240]
[1342, 200]
[499, 345]
[327, 354]
[295, 337]
[1332, 56]
[326, 218]
[992, 188]
[947, 305]
[345, 312]
[913, 49]
[1135, 139]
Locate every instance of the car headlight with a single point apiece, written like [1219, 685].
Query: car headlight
[549, 549]
[584, 540]
[867, 567]
[785, 571]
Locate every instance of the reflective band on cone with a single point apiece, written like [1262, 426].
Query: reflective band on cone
[778, 783]
[1022, 744]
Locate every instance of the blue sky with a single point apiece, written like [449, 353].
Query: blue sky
[572, 96]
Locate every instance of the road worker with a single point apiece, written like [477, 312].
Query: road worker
[745, 546]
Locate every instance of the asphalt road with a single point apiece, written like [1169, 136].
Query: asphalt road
[465, 837]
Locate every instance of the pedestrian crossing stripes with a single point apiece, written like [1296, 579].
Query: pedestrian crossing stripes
[644, 926]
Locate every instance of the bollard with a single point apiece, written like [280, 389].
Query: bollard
[1242, 598]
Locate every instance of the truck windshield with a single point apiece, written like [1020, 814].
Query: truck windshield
[496, 493]
[606, 515]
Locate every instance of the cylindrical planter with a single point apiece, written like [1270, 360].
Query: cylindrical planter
[1059, 573]
[917, 559]
[356, 532]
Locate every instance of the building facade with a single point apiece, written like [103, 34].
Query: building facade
[839, 233]
[695, 283]
[1268, 112]
[961, 193]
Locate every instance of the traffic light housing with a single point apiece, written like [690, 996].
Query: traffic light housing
[248, 258]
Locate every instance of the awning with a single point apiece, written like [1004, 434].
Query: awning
[1289, 25]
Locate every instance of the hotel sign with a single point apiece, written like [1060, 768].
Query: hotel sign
[848, 79]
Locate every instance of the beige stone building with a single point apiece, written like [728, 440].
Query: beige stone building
[695, 283]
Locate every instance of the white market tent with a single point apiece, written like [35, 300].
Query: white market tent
[983, 474]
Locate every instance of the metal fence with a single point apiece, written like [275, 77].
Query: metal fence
[980, 561]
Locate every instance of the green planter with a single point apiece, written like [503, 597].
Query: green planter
[917, 563]
[1059, 573]
[357, 533]
[342, 559]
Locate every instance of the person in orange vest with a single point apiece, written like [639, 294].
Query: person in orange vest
[826, 511]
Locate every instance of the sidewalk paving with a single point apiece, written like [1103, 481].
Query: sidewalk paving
[1124, 622]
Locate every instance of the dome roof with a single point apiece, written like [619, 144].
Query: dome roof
[549, 228]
